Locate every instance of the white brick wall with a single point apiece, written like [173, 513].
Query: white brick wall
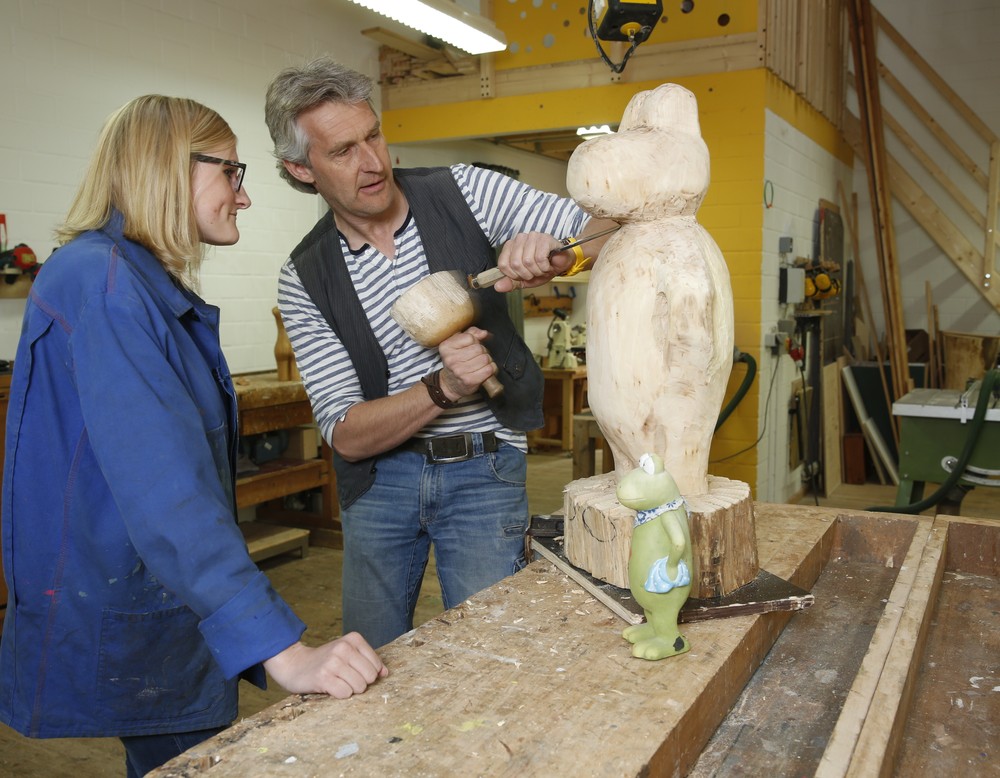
[800, 174]
[67, 64]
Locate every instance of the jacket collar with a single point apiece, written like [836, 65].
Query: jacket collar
[178, 300]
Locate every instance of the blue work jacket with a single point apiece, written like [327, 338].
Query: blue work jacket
[134, 607]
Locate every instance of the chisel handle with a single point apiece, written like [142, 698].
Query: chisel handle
[492, 386]
[486, 279]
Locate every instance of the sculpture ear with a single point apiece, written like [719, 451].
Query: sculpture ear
[668, 107]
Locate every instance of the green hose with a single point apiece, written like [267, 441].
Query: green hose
[751, 363]
[976, 426]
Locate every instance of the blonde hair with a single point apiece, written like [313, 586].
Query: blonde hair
[142, 168]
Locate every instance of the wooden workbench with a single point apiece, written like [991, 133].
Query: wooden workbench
[564, 395]
[531, 677]
[265, 405]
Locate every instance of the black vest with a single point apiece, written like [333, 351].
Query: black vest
[452, 240]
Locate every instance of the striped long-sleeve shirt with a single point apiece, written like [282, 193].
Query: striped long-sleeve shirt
[504, 208]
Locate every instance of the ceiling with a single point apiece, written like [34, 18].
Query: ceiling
[426, 62]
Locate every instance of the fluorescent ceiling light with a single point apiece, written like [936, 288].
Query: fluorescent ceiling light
[594, 131]
[443, 19]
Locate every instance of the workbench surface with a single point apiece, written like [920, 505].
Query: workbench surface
[529, 677]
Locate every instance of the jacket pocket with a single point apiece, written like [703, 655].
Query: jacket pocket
[155, 667]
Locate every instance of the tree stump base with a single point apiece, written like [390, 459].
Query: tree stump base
[598, 534]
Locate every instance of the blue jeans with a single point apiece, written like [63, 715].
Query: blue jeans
[144, 753]
[474, 512]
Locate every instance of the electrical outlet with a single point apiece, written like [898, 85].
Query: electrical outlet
[785, 244]
[773, 342]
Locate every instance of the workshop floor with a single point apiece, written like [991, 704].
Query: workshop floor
[312, 587]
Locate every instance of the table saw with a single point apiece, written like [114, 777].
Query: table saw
[934, 427]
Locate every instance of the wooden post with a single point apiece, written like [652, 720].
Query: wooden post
[992, 198]
[283, 356]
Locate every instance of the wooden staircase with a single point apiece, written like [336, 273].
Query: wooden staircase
[939, 199]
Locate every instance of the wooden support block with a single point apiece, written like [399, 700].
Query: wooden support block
[267, 540]
[598, 532]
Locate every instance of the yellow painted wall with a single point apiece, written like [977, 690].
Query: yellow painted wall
[730, 107]
[541, 32]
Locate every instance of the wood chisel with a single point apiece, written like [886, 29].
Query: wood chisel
[489, 277]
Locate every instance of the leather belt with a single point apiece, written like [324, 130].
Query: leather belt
[453, 448]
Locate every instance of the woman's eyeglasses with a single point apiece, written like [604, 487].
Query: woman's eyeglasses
[234, 170]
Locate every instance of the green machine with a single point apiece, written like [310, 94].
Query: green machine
[938, 429]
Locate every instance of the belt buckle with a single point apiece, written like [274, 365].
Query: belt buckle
[443, 460]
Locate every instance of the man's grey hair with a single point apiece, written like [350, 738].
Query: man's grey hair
[297, 89]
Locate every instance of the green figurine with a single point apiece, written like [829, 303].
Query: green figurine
[659, 565]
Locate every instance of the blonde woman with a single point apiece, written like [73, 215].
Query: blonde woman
[134, 607]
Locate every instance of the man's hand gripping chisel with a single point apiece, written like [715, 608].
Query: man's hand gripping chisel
[489, 277]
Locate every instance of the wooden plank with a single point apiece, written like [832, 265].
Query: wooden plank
[763, 26]
[770, 28]
[279, 478]
[880, 452]
[832, 427]
[955, 709]
[833, 105]
[992, 204]
[850, 222]
[932, 338]
[873, 706]
[876, 164]
[938, 346]
[800, 39]
[267, 540]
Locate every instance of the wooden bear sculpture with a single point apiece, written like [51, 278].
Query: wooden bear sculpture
[660, 303]
[659, 565]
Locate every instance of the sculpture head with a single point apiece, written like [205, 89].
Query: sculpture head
[647, 486]
[655, 166]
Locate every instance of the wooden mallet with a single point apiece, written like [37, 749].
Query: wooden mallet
[437, 307]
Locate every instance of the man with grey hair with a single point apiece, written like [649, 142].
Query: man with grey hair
[422, 456]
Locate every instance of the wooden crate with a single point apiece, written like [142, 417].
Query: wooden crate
[532, 677]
